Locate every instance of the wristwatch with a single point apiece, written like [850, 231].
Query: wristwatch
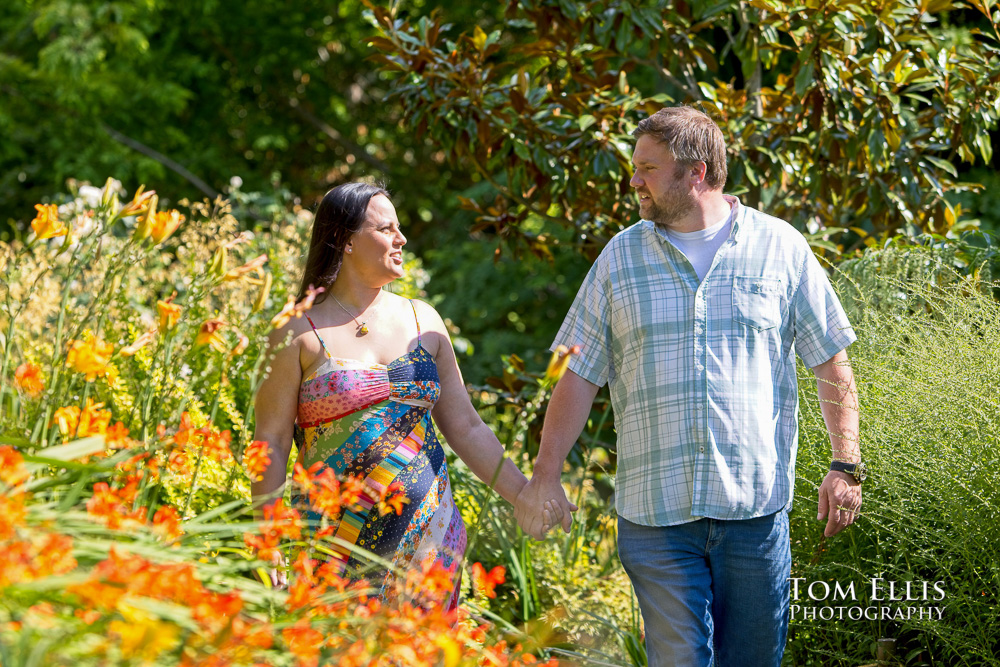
[856, 470]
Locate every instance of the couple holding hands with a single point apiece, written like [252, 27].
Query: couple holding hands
[692, 315]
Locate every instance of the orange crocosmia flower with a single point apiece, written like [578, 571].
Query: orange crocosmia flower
[12, 514]
[304, 642]
[110, 506]
[256, 459]
[351, 490]
[167, 523]
[169, 313]
[486, 582]
[88, 616]
[216, 445]
[304, 477]
[90, 357]
[115, 436]
[325, 496]
[392, 500]
[163, 224]
[140, 342]
[47, 224]
[209, 334]
[285, 521]
[28, 378]
[12, 470]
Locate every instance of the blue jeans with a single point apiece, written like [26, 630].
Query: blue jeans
[711, 592]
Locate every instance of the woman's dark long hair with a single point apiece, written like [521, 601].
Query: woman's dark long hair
[341, 214]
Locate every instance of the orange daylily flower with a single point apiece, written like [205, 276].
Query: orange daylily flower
[140, 202]
[559, 362]
[253, 265]
[163, 224]
[242, 343]
[144, 223]
[47, 224]
[28, 378]
[74, 422]
[169, 312]
[292, 309]
[90, 357]
[140, 342]
[209, 335]
[287, 312]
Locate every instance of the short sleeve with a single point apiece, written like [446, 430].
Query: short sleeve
[820, 323]
[588, 324]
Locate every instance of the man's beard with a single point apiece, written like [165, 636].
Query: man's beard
[674, 205]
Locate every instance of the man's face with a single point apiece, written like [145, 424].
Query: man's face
[660, 183]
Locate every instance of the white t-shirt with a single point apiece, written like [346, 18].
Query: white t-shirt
[700, 246]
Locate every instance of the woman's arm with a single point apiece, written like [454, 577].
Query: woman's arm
[461, 425]
[275, 408]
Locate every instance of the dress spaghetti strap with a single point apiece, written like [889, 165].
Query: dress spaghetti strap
[320, 338]
[416, 320]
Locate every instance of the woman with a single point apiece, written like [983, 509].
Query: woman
[356, 389]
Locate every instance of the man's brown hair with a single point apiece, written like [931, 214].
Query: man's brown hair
[691, 137]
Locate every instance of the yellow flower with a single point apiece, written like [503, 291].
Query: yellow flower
[169, 313]
[209, 335]
[47, 224]
[90, 357]
[164, 224]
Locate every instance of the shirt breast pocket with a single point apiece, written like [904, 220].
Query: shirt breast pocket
[757, 301]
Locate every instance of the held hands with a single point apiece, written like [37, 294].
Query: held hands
[542, 504]
[839, 501]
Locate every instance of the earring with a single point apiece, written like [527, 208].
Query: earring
[348, 250]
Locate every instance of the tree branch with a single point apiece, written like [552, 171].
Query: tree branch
[162, 159]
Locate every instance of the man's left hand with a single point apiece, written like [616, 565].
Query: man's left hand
[839, 501]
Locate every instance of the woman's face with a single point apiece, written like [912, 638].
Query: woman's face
[376, 250]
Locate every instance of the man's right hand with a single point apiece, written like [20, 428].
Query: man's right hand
[541, 503]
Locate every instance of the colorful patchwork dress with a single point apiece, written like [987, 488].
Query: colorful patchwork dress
[373, 422]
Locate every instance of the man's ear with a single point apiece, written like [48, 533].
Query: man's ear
[698, 172]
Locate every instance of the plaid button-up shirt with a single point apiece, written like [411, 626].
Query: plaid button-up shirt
[702, 374]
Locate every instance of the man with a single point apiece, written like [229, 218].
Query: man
[692, 315]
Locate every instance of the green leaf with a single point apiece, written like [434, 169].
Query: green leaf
[942, 164]
[69, 451]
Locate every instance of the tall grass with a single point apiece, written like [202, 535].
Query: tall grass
[926, 361]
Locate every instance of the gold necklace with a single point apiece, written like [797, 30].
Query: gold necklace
[361, 329]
